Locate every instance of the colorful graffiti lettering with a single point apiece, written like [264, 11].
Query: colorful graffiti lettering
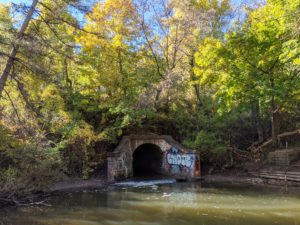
[174, 157]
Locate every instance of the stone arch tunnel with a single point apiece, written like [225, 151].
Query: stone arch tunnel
[147, 160]
[140, 155]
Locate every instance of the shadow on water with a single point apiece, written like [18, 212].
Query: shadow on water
[159, 202]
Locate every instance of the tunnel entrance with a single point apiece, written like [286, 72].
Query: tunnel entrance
[147, 160]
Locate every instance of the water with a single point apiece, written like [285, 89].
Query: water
[165, 204]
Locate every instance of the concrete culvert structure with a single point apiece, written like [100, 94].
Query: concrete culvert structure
[147, 160]
[140, 155]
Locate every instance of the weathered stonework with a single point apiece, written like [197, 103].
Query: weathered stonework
[177, 161]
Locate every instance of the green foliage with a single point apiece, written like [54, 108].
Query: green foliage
[255, 66]
[80, 136]
[6, 140]
[27, 168]
[185, 72]
[208, 142]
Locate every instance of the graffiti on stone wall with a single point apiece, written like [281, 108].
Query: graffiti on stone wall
[179, 162]
[175, 158]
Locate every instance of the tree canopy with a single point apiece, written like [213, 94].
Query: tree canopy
[77, 75]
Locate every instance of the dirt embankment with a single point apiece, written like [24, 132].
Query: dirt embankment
[77, 183]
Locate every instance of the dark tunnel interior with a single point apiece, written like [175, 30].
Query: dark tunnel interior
[147, 160]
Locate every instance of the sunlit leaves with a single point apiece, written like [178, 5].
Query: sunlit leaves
[257, 61]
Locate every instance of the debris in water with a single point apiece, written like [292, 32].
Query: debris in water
[166, 195]
[154, 187]
[146, 183]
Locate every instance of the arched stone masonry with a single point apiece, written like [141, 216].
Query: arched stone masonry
[177, 161]
[147, 161]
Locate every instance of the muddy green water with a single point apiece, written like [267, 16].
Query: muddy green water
[167, 204]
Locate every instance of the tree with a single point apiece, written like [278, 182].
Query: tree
[115, 22]
[256, 64]
[179, 27]
[14, 51]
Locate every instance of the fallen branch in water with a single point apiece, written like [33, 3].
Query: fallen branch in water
[33, 203]
[26, 201]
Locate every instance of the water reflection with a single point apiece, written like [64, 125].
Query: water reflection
[168, 204]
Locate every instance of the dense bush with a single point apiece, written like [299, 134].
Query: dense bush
[26, 168]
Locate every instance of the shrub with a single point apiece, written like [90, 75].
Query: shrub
[31, 168]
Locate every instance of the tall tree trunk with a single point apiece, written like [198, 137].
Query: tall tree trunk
[255, 111]
[16, 46]
[66, 72]
[157, 96]
[275, 123]
[121, 70]
[193, 78]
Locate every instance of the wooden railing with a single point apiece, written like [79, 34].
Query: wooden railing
[278, 175]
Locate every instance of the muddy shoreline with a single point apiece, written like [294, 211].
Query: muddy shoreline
[77, 183]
